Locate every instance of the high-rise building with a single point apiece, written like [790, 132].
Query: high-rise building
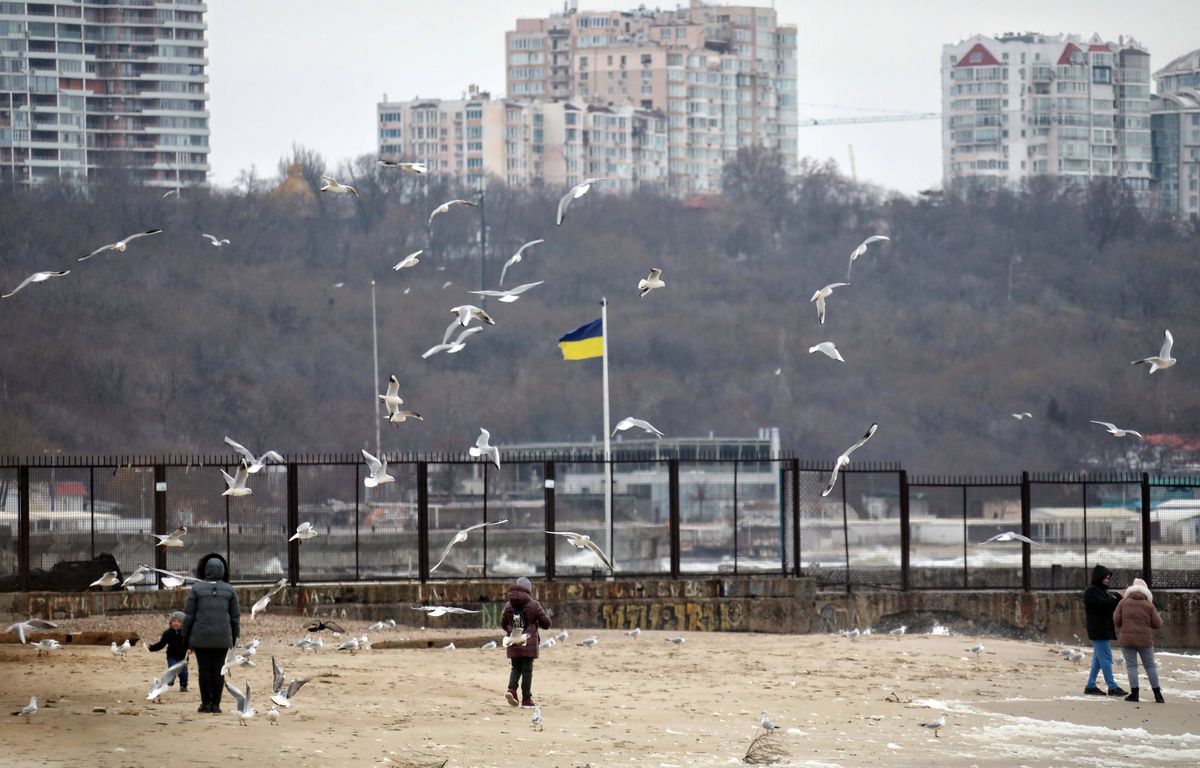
[91, 86]
[1175, 119]
[1017, 106]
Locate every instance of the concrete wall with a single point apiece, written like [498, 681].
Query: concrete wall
[767, 604]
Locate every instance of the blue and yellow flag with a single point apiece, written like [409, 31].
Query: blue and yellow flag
[584, 342]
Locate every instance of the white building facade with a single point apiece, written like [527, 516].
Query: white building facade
[1175, 119]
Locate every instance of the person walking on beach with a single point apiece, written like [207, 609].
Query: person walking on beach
[1136, 618]
[211, 626]
[177, 650]
[1098, 605]
[526, 615]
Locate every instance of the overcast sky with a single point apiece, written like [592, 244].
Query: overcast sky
[312, 71]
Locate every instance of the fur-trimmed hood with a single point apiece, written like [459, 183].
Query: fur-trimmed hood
[1139, 591]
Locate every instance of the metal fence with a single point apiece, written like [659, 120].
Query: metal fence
[669, 518]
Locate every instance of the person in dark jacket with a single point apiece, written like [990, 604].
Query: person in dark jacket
[1098, 605]
[211, 626]
[177, 650]
[524, 615]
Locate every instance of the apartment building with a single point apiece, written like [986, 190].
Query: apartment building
[1016, 106]
[724, 76]
[1175, 121]
[89, 86]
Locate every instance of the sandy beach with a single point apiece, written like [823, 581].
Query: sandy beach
[623, 702]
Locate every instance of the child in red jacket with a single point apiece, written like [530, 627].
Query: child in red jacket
[524, 615]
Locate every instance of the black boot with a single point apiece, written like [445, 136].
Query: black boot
[1133, 695]
[1158, 698]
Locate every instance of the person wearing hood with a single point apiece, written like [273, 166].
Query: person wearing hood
[526, 616]
[1098, 605]
[211, 625]
[177, 650]
[1136, 618]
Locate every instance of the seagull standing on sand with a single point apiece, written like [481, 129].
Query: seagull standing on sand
[378, 468]
[483, 448]
[254, 464]
[676, 641]
[630, 422]
[216, 241]
[172, 539]
[537, 717]
[304, 532]
[410, 260]
[820, 296]
[767, 724]
[120, 245]
[589, 642]
[29, 625]
[1010, 536]
[1116, 431]
[1163, 359]
[652, 281]
[46, 645]
[29, 709]
[262, 602]
[828, 349]
[245, 710]
[237, 484]
[460, 537]
[445, 208]
[976, 649]
[331, 185]
[583, 541]
[936, 725]
[844, 459]
[635, 632]
[516, 258]
[574, 193]
[861, 249]
[36, 277]
[119, 650]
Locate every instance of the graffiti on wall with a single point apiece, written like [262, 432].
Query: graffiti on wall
[709, 616]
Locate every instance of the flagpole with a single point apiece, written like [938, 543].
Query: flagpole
[607, 441]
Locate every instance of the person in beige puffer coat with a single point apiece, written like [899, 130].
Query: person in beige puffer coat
[1136, 618]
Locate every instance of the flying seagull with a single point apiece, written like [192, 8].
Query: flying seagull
[1116, 431]
[30, 625]
[170, 579]
[1163, 359]
[393, 401]
[445, 207]
[120, 245]
[467, 312]
[452, 347]
[844, 459]
[1010, 536]
[1022, 416]
[36, 277]
[262, 602]
[410, 260]
[137, 577]
[630, 422]
[172, 539]
[245, 710]
[331, 185]
[574, 193]
[482, 448]
[509, 296]
[237, 485]
[583, 541]
[378, 469]
[652, 281]
[216, 241]
[109, 579]
[820, 296]
[415, 168]
[159, 687]
[283, 696]
[237, 660]
[516, 258]
[169, 192]
[254, 464]
[320, 625]
[304, 532]
[828, 349]
[435, 611]
[516, 637]
[861, 249]
[460, 537]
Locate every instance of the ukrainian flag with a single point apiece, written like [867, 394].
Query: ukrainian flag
[584, 342]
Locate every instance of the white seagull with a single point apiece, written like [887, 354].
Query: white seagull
[29, 709]
[237, 485]
[262, 602]
[516, 637]
[244, 710]
[460, 537]
[170, 579]
[119, 650]
[379, 474]
[109, 579]
[583, 541]
[537, 717]
[1022, 416]
[216, 241]
[283, 696]
[861, 249]
[1114, 430]
[305, 531]
[410, 260]
[630, 422]
[844, 459]
[120, 245]
[900, 630]
[172, 539]
[676, 641]
[451, 347]
[936, 724]
[574, 193]
[137, 577]
[467, 312]
[635, 632]
[45, 645]
[445, 207]
[767, 723]
[482, 448]
[254, 464]
[509, 296]
[414, 168]
[36, 277]
[393, 401]
[273, 715]
[1010, 536]
[516, 258]
[652, 281]
[434, 611]
[828, 349]
[382, 624]
[159, 687]
[976, 649]
[237, 660]
[1163, 359]
[490, 645]
[589, 642]
[331, 185]
[820, 296]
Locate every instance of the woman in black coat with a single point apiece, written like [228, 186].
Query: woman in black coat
[211, 627]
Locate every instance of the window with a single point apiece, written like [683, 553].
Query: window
[975, 58]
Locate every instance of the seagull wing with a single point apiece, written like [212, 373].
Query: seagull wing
[820, 308]
[243, 473]
[477, 526]
[393, 389]
[445, 553]
[24, 283]
[295, 685]
[655, 273]
[276, 676]
[242, 699]
[434, 350]
[1108, 424]
[240, 449]
[531, 243]
[645, 425]
[524, 287]
[210, 237]
[875, 239]
[468, 332]
[279, 585]
[373, 463]
[832, 479]
[172, 673]
[450, 329]
[101, 249]
[491, 293]
[599, 553]
[862, 440]
[229, 481]
[1168, 340]
[143, 234]
[516, 257]
[271, 456]
[563, 202]
[481, 442]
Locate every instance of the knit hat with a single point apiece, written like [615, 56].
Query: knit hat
[1139, 583]
[178, 615]
[524, 583]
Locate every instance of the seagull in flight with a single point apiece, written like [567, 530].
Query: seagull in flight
[828, 349]
[30, 625]
[237, 485]
[378, 469]
[109, 579]
[245, 710]
[1116, 431]
[516, 258]
[1022, 416]
[844, 459]
[120, 245]
[583, 541]
[574, 193]
[321, 624]
[457, 345]
[172, 539]
[482, 448]
[262, 602]
[1010, 536]
[434, 611]
[460, 537]
[304, 532]
[237, 660]
[820, 296]
[36, 277]
[445, 208]
[1163, 359]
[159, 687]
[393, 401]
[467, 312]
[254, 465]
[652, 281]
[216, 241]
[509, 296]
[137, 577]
[410, 260]
[331, 185]
[861, 249]
[414, 168]
[280, 695]
[630, 422]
